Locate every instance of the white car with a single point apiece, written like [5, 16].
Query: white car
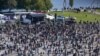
[61, 17]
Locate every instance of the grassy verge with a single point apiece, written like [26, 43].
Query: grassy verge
[84, 16]
[98, 10]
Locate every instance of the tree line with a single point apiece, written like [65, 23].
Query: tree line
[26, 4]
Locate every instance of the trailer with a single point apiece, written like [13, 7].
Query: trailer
[32, 18]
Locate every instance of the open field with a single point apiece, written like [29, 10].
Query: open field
[84, 16]
[98, 10]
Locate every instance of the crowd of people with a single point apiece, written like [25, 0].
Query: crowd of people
[50, 39]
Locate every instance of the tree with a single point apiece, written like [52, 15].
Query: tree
[20, 4]
[71, 3]
[11, 3]
[48, 4]
[3, 4]
[27, 4]
[41, 4]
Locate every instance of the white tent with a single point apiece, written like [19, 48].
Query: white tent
[2, 17]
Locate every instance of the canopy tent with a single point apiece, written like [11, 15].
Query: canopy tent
[1, 16]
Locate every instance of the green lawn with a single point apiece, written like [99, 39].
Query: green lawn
[98, 10]
[84, 16]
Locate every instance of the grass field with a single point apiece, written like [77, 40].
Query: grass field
[98, 10]
[84, 16]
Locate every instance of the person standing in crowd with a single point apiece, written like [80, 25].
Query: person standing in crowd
[27, 40]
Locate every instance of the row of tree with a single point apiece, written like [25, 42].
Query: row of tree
[71, 3]
[26, 4]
